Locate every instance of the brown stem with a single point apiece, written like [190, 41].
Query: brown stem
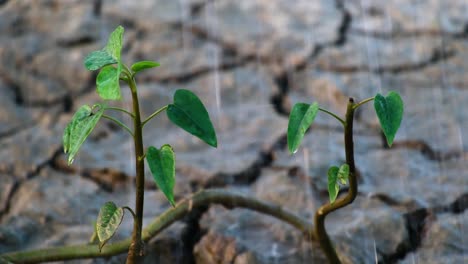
[323, 211]
[135, 251]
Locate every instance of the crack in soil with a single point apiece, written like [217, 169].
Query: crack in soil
[428, 151]
[437, 56]
[411, 34]
[417, 223]
[29, 176]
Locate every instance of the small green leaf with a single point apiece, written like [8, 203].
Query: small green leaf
[189, 113]
[343, 173]
[107, 83]
[333, 186]
[162, 166]
[389, 110]
[114, 43]
[108, 79]
[98, 59]
[109, 219]
[301, 118]
[143, 65]
[76, 132]
[109, 55]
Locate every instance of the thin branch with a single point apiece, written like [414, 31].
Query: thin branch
[131, 211]
[121, 110]
[203, 198]
[157, 112]
[363, 102]
[122, 125]
[332, 114]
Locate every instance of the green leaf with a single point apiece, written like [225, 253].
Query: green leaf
[389, 110]
[189, 113]
[336, 175]
[76, 132]
[109, 219]
[301, 118]
[114, 43]
[143, 65]
[162, 166]
[107, 83]
[333, 186]
[108, 79]
[97, 59]
[109, 55]
[343, 173]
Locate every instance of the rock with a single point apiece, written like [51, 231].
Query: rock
[408, 16]
[22, 159]
[7, 185]
[443, 241]
[19, 233]
[374, 54]
[12, 117]
[407, 174]
[366, 230]
[215, 249]
[282, 38]
[56, 27]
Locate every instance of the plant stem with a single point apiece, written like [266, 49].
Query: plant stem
[200, 199]
[323, 211]
[122, 125]
[154, 114]
[332, 114]
[121, 110]
[135, 251]
[363, 102]
[131, 211]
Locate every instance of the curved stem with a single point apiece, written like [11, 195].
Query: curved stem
[157, 112]
[363, 102]
[201, 199]
[122, 125]
[135, 251]
[332, 114]
[131, 211]
[323, 211]
[121, 110]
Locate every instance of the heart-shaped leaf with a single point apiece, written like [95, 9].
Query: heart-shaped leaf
[109, 219]
[301, 118]
[336, 175]
[389, 110]
[333, 186]
[189, 113]
[162, 166]
[143, 65]
[81, 125]
[107, 83]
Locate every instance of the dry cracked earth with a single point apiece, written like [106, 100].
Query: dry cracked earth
[249, 61]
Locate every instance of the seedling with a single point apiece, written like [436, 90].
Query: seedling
[187, 112]
[389, 110]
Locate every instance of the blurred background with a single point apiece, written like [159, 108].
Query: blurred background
[249, 61]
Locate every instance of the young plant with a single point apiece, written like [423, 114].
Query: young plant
[187, 112]
[389, 110]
